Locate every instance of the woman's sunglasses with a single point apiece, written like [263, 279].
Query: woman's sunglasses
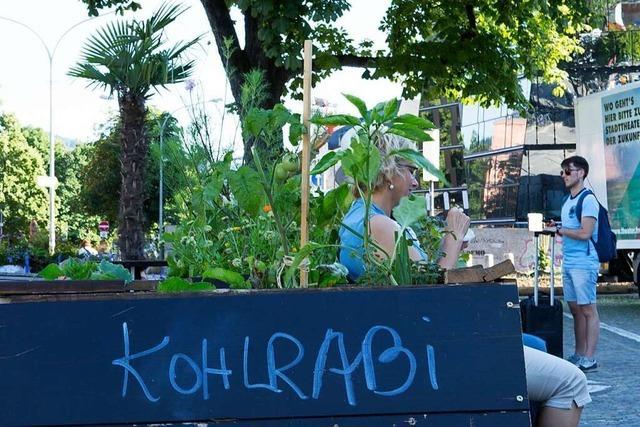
[412, 170]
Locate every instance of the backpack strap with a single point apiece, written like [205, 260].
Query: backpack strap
[581, 198]
[584, 193]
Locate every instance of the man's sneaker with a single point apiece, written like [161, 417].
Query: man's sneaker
[574, 359]
[587, 365]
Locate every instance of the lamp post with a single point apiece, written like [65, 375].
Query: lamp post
[161, 184]
[50, 182]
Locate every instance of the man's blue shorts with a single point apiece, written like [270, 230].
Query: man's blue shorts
[579, 285]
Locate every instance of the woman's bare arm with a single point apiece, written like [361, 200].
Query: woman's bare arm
[383, 231]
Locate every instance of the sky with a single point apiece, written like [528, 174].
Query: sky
[78, 111]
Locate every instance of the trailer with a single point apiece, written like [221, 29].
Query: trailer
[608, 136]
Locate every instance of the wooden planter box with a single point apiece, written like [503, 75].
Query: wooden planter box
[386, 356]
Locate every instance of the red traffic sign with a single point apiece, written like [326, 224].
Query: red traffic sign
[103, 226]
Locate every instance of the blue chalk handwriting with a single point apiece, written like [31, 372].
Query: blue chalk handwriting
[192, 365]
[223, 371]
[245, 359]
[347, 367]
[124, 363]
[275, 373]
[431, 364]
[387, 356]
[402, 358]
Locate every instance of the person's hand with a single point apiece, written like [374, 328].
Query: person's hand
[551, 226]
[457, 222]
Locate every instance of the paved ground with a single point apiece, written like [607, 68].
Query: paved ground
[615, 387]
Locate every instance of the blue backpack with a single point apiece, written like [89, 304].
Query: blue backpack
[606, 244]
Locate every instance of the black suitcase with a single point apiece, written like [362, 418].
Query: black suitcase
[542, 314]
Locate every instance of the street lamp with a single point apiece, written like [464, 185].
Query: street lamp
[161, 184]
[52, 179]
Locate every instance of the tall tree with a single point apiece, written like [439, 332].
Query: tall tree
[72, 218]
[450, 49]
[21, 200]
[130, 59]
[101, 177]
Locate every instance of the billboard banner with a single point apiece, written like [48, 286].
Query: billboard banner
[621, 127]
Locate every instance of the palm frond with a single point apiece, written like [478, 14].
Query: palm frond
[130, 54]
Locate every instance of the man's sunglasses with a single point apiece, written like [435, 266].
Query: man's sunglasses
[567, 171]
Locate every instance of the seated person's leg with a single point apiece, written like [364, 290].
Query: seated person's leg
[534, 342]
[559, 385]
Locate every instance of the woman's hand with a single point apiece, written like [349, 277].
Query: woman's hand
[457, 226]
[457, 222]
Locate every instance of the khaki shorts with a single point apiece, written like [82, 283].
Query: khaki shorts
[554, 381]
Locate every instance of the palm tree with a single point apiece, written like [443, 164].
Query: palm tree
[130, 59]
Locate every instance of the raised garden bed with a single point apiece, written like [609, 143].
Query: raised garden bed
[382, 356]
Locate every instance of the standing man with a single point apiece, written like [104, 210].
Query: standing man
[580, 265]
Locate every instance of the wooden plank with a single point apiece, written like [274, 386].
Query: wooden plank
[472, 274]
[283, 355]
[483, 419]
[47, 287]
[499, 270]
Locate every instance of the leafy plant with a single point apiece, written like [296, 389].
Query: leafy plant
[243, 219]
[362, 161]
[76, 269]
[239, 223]
[176, 285]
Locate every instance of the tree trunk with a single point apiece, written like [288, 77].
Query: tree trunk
[135, 147]
[244, 60]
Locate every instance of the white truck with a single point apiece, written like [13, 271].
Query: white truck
[608, 136]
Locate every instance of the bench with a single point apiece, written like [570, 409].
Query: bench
[385, 356]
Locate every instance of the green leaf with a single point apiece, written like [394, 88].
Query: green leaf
[96, 275]
[255, 121]
[359, 104]
[176, 284]
[419, 160]
[51, 272]
[377, 112]
[213, 186]
[416, 121]
[296, 130]
[411, 132]
[327, 161]
[402, 263]
[303, 253]
[246, 188]
[234, 279]
[355, 162]
[279, 116]
[77, 270]
[334, 200]
[115, 271]
[391, 109]
[410, 210]
[336, 120]
[331, 274]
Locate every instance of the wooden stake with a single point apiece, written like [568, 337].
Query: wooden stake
[306, 156]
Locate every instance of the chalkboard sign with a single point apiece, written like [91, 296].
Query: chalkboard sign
[367, 356]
